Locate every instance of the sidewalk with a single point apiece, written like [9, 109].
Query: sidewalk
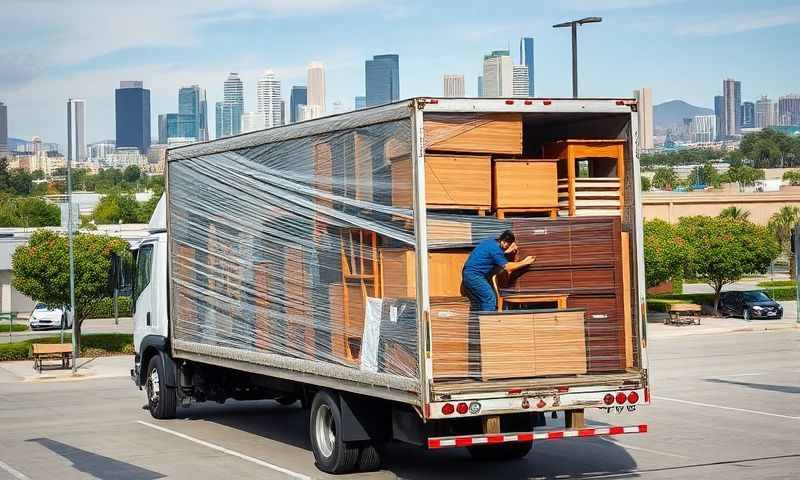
[714, 325]
[88, 368]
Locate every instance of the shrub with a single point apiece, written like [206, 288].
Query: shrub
[104, 308]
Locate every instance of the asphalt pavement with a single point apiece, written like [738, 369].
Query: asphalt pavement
[725, 406]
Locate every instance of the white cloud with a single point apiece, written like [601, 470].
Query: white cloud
[741, 22]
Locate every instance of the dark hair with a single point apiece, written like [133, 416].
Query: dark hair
[507, 236]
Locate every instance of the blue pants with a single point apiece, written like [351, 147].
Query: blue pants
[480, 291]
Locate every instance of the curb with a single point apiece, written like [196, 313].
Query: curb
[746, 329]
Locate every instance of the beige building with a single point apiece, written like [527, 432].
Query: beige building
[670, 206]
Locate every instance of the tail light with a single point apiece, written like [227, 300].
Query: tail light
[633, 397]
[448, 409]
[509, 102]
[462, 408]
[621, 397]
[608, 399]
[528, 102]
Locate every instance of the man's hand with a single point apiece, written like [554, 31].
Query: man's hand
[527, 261]
[513, 248]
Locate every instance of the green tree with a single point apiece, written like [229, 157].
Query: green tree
[27, 212]
[735, 213]
[780, 225]
[5, 180]
[745, 175]
[21, 182]
[37, 175]
[664, 253]
[132, 174]
[41, 270]
[115, 207]
[646, 184]
[792, 176]
[665, 178]
[721, 251]
[706, 174]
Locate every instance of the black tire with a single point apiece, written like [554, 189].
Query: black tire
[370, 459]
[331, 454]
[162, 401]
[505, 451]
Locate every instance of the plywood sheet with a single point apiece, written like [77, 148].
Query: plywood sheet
[450, 337]
[560, 345]
[507, 346]
[498, 133]
[525, 183]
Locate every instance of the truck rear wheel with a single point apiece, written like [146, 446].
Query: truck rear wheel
[504, 451]
[162, 401]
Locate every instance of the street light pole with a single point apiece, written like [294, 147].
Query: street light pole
[574, 26]
[71, 314]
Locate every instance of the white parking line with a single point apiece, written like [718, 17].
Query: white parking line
[224, 450]
[13, 472]
[721, 407]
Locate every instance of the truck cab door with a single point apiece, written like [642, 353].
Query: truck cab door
[143, 301]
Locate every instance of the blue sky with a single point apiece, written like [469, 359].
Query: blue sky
[51, 50]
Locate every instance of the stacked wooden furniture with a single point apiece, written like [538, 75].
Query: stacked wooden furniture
[532, 343]
[525, 186]
[601, 191]
[300, 333]
[450, 336]
[360, 279]
[399, 272]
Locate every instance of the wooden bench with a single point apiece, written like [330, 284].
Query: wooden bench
[51, 351]
[684, 314]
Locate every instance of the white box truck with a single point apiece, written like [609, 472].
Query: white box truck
[321, 263]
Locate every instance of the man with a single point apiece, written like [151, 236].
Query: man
[481, 263]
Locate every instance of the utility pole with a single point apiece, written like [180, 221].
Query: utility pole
[71, 314]
[574, 26]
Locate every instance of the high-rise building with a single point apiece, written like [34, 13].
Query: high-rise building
[193, 108]
[382, 75]
[360, 102]
[519, 83]
[719, 112]
[453, 85]
[132, 114]
[748, 115]
[498, 74]
[732, 91]
[77, 113]
[252, 121]
[765, 112]
[229, 110]
[3, 127]
[526, 58]
[788, 110]
[217, 120]
[268, 98]
[167, 127]
[316, 87]
[704, 129]
[644, 96]
[480, 86]
[299, 96]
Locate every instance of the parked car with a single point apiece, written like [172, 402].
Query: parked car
[43, 318]
[749, 305]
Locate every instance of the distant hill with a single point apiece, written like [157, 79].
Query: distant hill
[669, 114]
[13, 142]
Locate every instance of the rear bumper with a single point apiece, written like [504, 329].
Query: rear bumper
[494, 439]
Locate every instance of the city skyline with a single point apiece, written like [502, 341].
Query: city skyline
[213, 42]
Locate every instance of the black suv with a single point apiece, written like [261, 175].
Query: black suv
[750, 305]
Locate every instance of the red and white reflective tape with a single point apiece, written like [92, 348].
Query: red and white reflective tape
[469, 440]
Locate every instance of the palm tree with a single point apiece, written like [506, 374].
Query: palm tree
[780, 225]
[735, 213]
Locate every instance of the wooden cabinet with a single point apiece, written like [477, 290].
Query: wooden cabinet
[559, 343]
[450, 337]
[507, 345]
[398, 272]
[605, 334]
[528, 185]
[451, 182]
[493, 133]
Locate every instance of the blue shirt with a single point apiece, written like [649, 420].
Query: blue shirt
[485, 257]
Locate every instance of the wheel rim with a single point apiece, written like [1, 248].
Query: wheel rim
[325, 430]
[747, 314]
[153, 384]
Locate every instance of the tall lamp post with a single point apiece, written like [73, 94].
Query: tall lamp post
[574, 25]
[71, 313]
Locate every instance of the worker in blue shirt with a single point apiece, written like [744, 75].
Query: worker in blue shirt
[481, 263]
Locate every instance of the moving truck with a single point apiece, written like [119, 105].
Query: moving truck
[320, 263]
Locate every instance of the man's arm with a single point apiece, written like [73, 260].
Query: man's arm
[525, 262]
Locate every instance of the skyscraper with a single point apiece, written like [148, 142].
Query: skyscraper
[382, 75]
[526, 58]
[480, 86]
[765, 112]
[748, 115]
[132, 115]
[168, 127]
[719, 112]
[3, 127]
[732, 91]
[299, 96]
[252, 121]
[229, 110]
[704, 128]
[316, 87]
[498, 74]
[520, 86]
[453, 85]
[217, 120]
[788, 110]
[194, 112]
[645, 114]
[268, 98]
[360, 102]
[78, 120]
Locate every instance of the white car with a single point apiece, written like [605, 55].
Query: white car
[43, 317]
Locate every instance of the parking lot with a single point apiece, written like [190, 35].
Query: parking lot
[725, 406]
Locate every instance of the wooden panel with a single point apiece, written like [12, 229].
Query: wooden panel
[451, 181]
[499, 133]
[300, 334]
[507, 345]
[444, 272]
[448, 231]
[263, 333]
[450, 337]
[398, 360]
[560, 345]
[337, 332]
[627, 320]
[362, 152]
[398, 273]
[525, 184]
[604, 331]
[547, 240]
[402, 182]
[595, 242]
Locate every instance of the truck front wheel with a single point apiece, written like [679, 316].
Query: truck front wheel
[505, 451]
[161, 399]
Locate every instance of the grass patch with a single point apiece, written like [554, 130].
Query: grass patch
[777, 284]
[92, 345]
[16, 327]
